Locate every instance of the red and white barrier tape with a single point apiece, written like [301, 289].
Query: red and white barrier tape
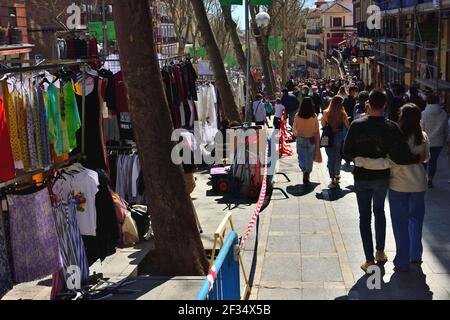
[212, 277]
[262, 197]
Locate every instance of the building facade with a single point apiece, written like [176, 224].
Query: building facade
[412, 46]
[14, 44]
[47, 22]
[314, 43]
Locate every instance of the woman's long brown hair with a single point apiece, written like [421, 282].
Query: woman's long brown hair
[336, 112]
[409, 122]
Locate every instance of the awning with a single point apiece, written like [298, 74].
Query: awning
[430, 83]
[15, 49]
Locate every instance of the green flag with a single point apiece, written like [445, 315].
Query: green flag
[225, 3]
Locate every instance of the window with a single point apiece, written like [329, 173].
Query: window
[337, 22]
[12, 17]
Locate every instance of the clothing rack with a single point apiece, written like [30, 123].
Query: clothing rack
[55, 166]
[41, 67]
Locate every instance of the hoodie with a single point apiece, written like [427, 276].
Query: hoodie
[434, 123]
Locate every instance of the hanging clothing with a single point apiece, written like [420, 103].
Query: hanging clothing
[46, 155]
[94, 146]
[34, 238]
[21, 110]
[5, 271]
[7, 171]
[107, 236]
[31, 130]
[73, 121]
[13, 125]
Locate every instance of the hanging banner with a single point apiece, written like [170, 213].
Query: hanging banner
[96, 30]
[199, 52]
[230, 61]
[111, 30]
[276, 43]
[260, 2]
[225, 3]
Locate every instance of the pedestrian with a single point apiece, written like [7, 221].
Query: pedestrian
[407, 188]
[336, 117]
[434, 123]
[259, 111]
[415, 98]
[375, 137]
[291, 103]
[360, 107]
[350, 103]
[307, 131]
[279, 110]
[343, 92]
[317, 100]
[398, 101]
[269, 108]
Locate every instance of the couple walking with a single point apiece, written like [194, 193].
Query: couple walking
[389, 158]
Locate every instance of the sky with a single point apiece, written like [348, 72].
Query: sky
[239, 12]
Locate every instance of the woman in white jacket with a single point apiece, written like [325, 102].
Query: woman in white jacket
[434, 123]
[408, 185]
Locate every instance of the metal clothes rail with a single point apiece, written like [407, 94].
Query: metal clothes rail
[31, 69]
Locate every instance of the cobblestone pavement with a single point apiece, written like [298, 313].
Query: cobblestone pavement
[311, 249]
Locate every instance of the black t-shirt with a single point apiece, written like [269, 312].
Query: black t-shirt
[377, 137]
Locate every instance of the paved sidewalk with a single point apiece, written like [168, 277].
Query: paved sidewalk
[310, 246]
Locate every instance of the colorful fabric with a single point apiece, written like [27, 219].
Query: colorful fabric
[73, 120]
[54, 119]
[34, 238]
[5, 272]
[37, 129]
[13, 128]
[46, 155]
[30, 132]
[20, 106]
[7, 171]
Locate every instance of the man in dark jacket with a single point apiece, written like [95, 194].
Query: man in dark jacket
[397, 103]
[375, 137]
[290, 102]
[350, 103]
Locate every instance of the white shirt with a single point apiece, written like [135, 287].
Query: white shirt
[279, 109]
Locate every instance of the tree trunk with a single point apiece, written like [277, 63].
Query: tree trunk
[237, 45]
[226, 94]
[179, 247]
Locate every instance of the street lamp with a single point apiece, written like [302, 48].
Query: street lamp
[262, 20]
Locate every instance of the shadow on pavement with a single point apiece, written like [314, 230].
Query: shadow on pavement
[301, 190]
[334, 194]
[401, 286]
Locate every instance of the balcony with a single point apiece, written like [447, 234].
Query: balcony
[312, 65]
[314, 31]
[302, 39]
[313, 47]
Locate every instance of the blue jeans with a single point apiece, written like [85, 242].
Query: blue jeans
[335, 156]
[407, 213]
[367, 192]
[432, 165]
[305, 151]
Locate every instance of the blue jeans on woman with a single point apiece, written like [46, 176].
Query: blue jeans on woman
[305, 151]
[407, 213]
[335, 156]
